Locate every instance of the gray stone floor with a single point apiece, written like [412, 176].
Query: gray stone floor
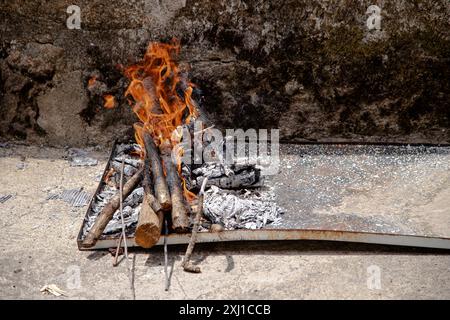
[38, 243]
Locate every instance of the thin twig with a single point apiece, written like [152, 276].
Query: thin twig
[166, 258]
[133, 289]
[117, 250]
[187, 266]
[124, 236]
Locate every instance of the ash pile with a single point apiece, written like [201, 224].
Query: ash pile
[109, 186]
[235, 196]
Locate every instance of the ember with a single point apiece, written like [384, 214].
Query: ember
[109, 101]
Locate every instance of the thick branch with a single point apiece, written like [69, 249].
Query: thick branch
[148, 188]
[180, 219]
[159, 180]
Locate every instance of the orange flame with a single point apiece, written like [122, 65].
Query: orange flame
[162, 97]
[92, 81]
[109, 101]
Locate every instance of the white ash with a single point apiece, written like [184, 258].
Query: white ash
[127, 149]
[135, 197]
[234, 176]
[80, 158]
[132, 162]
[128, 169]
[83, 161]
[131, 209]
[213, 170]
[105, 196]
[130, 217]
[240, 180]
[234, 211]
[131, 205]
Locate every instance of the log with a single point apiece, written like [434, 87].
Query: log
[159, 181]
[148, 188]
[180, 218]
[148, 229]
[108, 211]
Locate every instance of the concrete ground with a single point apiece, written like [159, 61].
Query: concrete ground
[38, 247]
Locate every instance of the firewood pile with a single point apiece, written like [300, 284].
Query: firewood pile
[235, 198]
[149, 187]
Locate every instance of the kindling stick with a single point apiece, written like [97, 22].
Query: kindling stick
[124, 236]
[166, 258]
[187, 266]
[116, 256]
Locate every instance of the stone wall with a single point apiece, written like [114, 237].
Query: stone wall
[311, 68]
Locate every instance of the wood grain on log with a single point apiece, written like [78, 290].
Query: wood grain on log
[180, 218]
[148, 188]
[159, 181]
[148, 229]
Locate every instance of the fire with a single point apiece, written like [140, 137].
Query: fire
[161, 95]
[92, 81]
[109, 101]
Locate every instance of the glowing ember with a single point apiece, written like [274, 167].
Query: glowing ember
[109, 175]
[109, 101]
[92, 81]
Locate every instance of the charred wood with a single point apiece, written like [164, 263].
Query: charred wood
[160, 185]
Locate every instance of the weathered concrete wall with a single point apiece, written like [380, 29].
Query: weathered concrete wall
[311, 68]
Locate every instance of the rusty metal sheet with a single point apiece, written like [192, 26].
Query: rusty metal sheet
[394, 195]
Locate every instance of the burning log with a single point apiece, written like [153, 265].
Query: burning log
[160, 184]
[108, 211]
[180, 219]
[148, 188]
[148, 229]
